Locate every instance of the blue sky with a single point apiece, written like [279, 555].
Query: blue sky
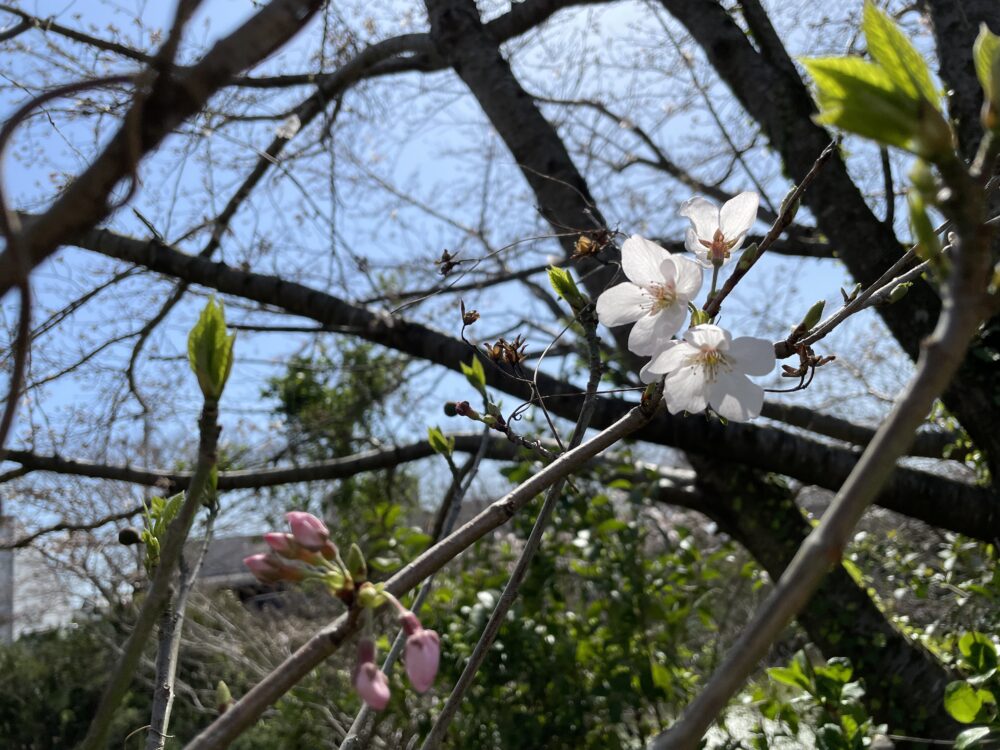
[430, 152]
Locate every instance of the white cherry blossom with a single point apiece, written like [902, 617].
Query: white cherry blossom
[716, 233]
[655, 297]
[710, 368]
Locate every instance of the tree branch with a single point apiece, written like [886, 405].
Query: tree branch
[170, 101]
[321, 645]
[931, 498]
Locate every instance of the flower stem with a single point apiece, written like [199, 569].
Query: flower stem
[715, 281]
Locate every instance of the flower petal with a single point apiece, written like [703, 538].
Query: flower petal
[708, 336]
[641, 261]
[622, 304]
[648, 376]
[686, 390]
[736, 398]
[672, 357]
[738, 215]
[688, 277]
[752, 356]
[704, 216]
[651, 332]
[693, 245]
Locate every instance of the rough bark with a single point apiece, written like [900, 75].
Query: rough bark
[931, 498]
[765, 82]
[955, 24]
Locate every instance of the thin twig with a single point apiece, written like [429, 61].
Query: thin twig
[159, 590]
[517, 576]
[324, 643]
[10, 226]
[940, 357]
[168, 649]
[357, 736]
[785, 216]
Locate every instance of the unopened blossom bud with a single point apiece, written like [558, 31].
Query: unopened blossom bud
[308, 530]
[423, 653]
[464, 409]
[265, 568]
[367, 595]
[283, 544]
[269, 568]
[223, 697]
[371, 684]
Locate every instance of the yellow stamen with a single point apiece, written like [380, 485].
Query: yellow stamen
[664, 296]
[711, 361]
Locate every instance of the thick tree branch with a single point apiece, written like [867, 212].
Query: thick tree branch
[169, 102]
[769, 89]
[842, 619]
[931, 498]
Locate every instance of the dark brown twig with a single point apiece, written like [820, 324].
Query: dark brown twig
[785, 216]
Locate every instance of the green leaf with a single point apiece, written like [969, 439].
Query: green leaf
[789, 676]
[563, 284]
[970, 737]
[660, 674]
[979, 652]
[831, 737]
[475, 374]
[210, 350]
[356, 564]
[962, 701]
[986, 55]
[837, 669]
[890, 48]
[439, 443]
[860, 97]
[159, 512]
[610, 526]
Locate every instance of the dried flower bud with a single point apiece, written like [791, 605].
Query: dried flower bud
[584, 247]
[129, 535]
[464, 409]
[468, 316]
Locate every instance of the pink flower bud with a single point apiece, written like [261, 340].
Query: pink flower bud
[266, 568]
[282, 543]
[372, 685]
[423, 653]
[308, 530]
